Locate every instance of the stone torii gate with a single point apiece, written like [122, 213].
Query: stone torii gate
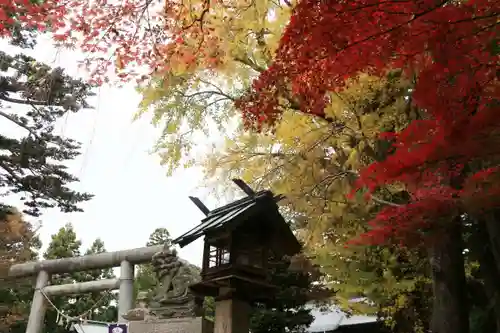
[44, 269]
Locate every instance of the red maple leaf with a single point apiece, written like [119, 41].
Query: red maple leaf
[446, 46]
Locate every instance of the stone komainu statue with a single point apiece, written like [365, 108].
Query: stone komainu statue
[171, 298]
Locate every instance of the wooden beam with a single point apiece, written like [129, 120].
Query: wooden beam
[244, 187]
[140, 255]
[200, 205]
[279, 197]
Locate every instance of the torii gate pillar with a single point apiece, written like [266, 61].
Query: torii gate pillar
[126, 295]
[39, 304]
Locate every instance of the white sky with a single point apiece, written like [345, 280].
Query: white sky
[133, 195]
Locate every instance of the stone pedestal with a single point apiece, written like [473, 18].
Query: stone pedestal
[173, 325]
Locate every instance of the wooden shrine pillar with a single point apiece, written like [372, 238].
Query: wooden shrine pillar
[231, 315]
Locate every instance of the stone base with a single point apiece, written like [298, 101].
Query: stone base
[172, 325]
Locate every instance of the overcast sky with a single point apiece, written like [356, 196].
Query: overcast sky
[133, 195]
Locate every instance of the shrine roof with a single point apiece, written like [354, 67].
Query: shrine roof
[222, 216]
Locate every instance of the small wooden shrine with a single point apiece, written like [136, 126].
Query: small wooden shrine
[240, 239]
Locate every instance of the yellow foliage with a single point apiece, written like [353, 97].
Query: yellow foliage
[15, 246]
[222, 35]
[237, 41]
[315, 164]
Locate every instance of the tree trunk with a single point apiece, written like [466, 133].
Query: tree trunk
[491, 277]
[489, 259]
[493, 228]
[450, 309]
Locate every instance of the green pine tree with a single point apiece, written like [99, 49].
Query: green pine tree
[94, 306]
[64, 244]
[286, 312]
[159, 236]
[33, 97]
[103, 303]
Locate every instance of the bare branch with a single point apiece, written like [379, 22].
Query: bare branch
[209, 92]
[20, 101]
[18, 123]
[375, 198]
[249, 63]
